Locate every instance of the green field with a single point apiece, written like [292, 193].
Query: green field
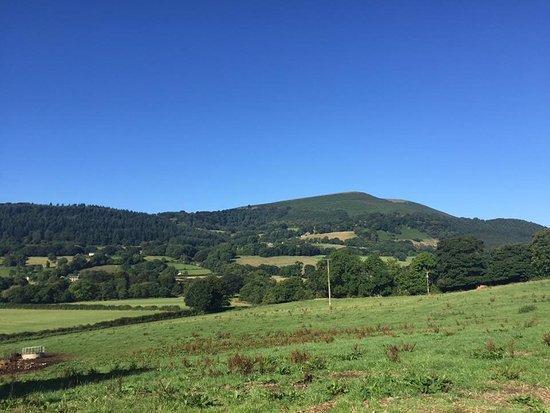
[191, 269]
[140, 301]
[4, 271]
[43, 260]
[110, 268]
[16, 320]
[279, 261]
[460, 352]
[401, 263]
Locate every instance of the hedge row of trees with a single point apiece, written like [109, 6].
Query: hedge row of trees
[145, 279]
[458, 263]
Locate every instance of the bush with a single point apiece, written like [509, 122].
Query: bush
[206, 295]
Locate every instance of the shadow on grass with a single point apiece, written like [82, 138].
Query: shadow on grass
[16, 389]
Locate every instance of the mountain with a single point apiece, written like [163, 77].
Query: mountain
[24, 223]
[355, 204]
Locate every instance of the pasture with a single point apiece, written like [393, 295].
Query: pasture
[190, 269]
[279, 260]
[109, 268]
[159, 301]
[37, 260]
[17, 320]
[485, 350]
[341, 235]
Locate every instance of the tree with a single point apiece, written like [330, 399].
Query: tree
[460, 263]
[540, 248]
[511, 263]
[378, 279]
[206, 295]
[421, 267]
[255, 288]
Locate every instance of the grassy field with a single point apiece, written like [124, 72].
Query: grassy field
[401, 263]
[140, 301]
[110, 268]
[4, 271]
[16, 320]
[279, 261]
[190, 268]
[324, 245]
[341, 235]
[180, 266]
[43, 260]
[470, 351]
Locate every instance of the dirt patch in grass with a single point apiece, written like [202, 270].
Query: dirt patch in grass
[348, 374]
[320, 408]
[508, 392]
[15, 364]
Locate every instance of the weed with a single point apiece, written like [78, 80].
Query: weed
[335, 388]
[299, 357]
[509, 372]
[534, 403]
[392, 353]
[430, 383]
[527, 309]
[407, 347]
[240, 364]
[199, 400]
[546, 339]
[491, 351]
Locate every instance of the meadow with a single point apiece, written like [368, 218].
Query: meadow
[17, 320]
[279, 260]
[341, 235]
[37, 260]
[158, 301]
[484, 350]
[190, 269]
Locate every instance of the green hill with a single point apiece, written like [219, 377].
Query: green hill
[355, 204]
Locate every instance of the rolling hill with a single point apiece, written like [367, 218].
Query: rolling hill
[355, 204]
[24, 223]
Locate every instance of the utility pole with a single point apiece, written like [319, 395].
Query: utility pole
[428, 280]
[328, 284]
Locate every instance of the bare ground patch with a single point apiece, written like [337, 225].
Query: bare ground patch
[509, 391]
[15, 364]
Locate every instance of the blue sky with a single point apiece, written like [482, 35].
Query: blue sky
[171, 105]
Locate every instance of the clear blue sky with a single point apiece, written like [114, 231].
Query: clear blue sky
[171, 105]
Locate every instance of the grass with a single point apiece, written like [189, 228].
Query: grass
[279, 261]
[191, 269]
[17, 320]
[36, 260]
[341, 235]
[400, 262]
[325, 245]
[466, 351]
[109, 268]
[141, 301]
[4, 271]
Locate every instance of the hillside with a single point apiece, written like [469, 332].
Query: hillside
[354, 204]
[471, 351]
[24, 223]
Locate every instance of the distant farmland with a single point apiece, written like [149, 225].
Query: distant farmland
[279, 261]
[190, 269]
[341, 235]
